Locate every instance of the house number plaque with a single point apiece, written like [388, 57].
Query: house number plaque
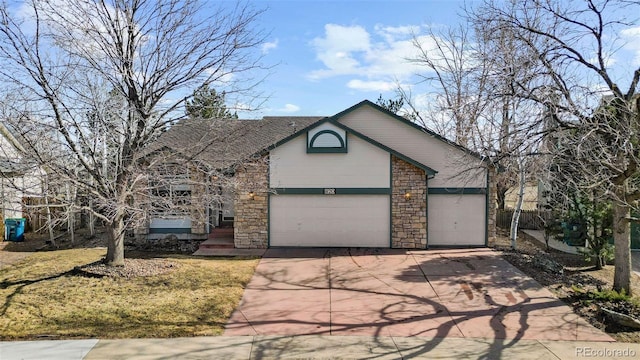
[330, 191]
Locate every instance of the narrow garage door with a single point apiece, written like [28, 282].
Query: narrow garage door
[456, 220]
[329, 220]
[170, 226]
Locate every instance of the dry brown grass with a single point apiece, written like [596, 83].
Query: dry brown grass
[46, 295]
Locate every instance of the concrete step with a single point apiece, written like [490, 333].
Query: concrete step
[218, 243]
[229, 252]
[221, 232]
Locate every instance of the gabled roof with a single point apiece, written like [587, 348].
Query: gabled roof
[6, 132]
[221, 143]
[11, 167]
[430, 172]
[397, 117]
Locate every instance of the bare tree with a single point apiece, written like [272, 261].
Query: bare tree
[594, 100]
[460, 81]
[147, 52]
[513, 126]
[474, 100]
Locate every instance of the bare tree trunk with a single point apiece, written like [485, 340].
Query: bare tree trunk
[92, 220]
[622, 243]
[501, 194]
[48, 210]
[115, 245]
[547, 230]
[70, 216]
[52, 238]
[592, 231]
[515, 218]
[71, 228]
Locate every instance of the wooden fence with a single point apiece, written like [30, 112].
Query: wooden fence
[35, 212]
[529, 219]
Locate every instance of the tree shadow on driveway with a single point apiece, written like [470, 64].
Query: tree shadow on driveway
[380, 292]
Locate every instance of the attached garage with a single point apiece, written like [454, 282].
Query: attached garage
[456, 220]
[381, 193]
[329, 220]
[364, 178]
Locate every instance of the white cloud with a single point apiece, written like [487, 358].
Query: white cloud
[392, 33]
[632, 39]
[631, 32]
[609, 60]
[75, 25]
[220, 78]
[337, 49]
[289, 108]
[268, 46]
[383, 57]
[378, 86]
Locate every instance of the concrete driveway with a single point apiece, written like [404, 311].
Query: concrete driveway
[382, 292]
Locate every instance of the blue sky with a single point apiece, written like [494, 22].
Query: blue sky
[332, 54]
[329, 55]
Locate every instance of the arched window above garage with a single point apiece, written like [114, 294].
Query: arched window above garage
[327, 141]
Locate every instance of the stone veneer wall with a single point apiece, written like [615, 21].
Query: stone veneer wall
[251, 217]
[408, 216]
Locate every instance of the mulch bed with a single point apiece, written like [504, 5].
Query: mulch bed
[136, 263]
[132, 268]
[572, 281]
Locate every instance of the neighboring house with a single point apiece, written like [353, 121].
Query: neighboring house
[17, 179]
[364, 177]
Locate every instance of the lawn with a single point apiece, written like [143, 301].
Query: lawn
[49, 294]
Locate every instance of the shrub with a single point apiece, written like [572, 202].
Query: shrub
[600, 253]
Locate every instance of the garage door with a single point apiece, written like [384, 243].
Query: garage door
[170, 226]
[329, 220]
[456, 220]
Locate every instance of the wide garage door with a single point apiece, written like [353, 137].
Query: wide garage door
[456, 220]
[329, 220]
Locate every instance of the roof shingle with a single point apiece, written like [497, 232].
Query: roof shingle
[221, 143]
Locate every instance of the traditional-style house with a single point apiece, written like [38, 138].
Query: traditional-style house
[364, 177]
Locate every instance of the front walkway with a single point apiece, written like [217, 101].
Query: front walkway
[538, 235]
[313, 347]
[378, 292]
